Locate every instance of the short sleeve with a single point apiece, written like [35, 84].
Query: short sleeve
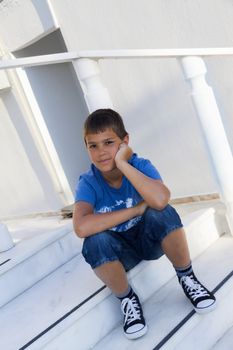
[85, 192]
[146, 167]
[150, 170]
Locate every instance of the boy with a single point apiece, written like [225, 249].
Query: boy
[122, 211]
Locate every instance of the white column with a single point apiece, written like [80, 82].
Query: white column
[95, 93]
[6, 241]
[207, 110]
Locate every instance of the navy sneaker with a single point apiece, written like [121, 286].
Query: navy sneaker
[134, 322]
[201, 298]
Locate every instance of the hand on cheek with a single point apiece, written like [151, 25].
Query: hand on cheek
[124, 153]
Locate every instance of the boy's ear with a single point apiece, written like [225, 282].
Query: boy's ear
[126, 139]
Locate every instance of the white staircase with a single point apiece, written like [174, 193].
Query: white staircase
[173, 325]
[67, 307]
[41, 246]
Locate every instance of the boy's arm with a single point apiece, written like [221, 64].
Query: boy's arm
[87, 223]
[154, 192]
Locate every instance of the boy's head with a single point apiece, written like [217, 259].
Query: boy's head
[104, 132]
[103, 119]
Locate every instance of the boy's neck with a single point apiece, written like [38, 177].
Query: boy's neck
[113, 178]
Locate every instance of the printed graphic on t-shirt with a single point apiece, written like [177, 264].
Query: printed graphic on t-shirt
[128, 203]
[92, 188]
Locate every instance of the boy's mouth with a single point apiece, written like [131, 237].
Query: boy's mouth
[104, 161]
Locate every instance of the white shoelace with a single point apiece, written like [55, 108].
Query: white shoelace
[130, 309]
[194, 288]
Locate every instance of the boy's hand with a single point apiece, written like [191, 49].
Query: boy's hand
[124, 153]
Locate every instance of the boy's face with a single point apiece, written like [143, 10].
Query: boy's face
[102, 149]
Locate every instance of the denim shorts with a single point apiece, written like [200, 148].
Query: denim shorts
[141, 242]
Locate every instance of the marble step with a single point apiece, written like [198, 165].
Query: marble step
[41, 246]
[60, 308]
[48, 306]
[217, 327]
[168, 312]
[146, 278]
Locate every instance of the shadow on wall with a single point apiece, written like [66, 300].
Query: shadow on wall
[62, 107]
[34, 161]
[61, 103]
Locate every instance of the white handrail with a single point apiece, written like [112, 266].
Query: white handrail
[112, 54]
[156, 53]
[40, 60]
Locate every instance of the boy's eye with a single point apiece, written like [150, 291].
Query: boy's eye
[92, 146]
[109, 142]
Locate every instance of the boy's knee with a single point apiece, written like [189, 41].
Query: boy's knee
[165, 215]
[99, 248]
[162, 221]
[94, 242]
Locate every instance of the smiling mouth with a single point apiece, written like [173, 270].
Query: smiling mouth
[104, 161]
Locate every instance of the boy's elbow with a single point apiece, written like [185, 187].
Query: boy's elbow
[162, 202]
[161, 205]
[79, 231]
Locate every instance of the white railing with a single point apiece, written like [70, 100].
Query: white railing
[63, 57]
[97, 96]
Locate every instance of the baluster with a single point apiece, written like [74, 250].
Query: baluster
[95, 93]
[207, 110]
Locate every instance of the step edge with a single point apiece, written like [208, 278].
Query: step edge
[107, 293]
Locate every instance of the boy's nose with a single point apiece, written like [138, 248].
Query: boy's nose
[102, 150]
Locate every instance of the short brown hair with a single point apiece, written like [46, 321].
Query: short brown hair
[102, 119]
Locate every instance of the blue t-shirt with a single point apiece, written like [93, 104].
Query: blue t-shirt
[93, 188]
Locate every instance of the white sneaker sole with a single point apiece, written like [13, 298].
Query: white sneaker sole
[137, 334]
[206, 309]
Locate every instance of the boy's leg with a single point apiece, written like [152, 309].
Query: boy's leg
[168, 229]
[114, 276]
[175, 247]
[101, 252]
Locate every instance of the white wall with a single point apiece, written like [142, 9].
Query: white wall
[24, 22]
[151, 94]
[25, 185]
[61, 102]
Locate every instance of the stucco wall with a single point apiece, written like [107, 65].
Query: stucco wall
[24, 22]
[25, 185]
[151, 94]
[62, 106]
